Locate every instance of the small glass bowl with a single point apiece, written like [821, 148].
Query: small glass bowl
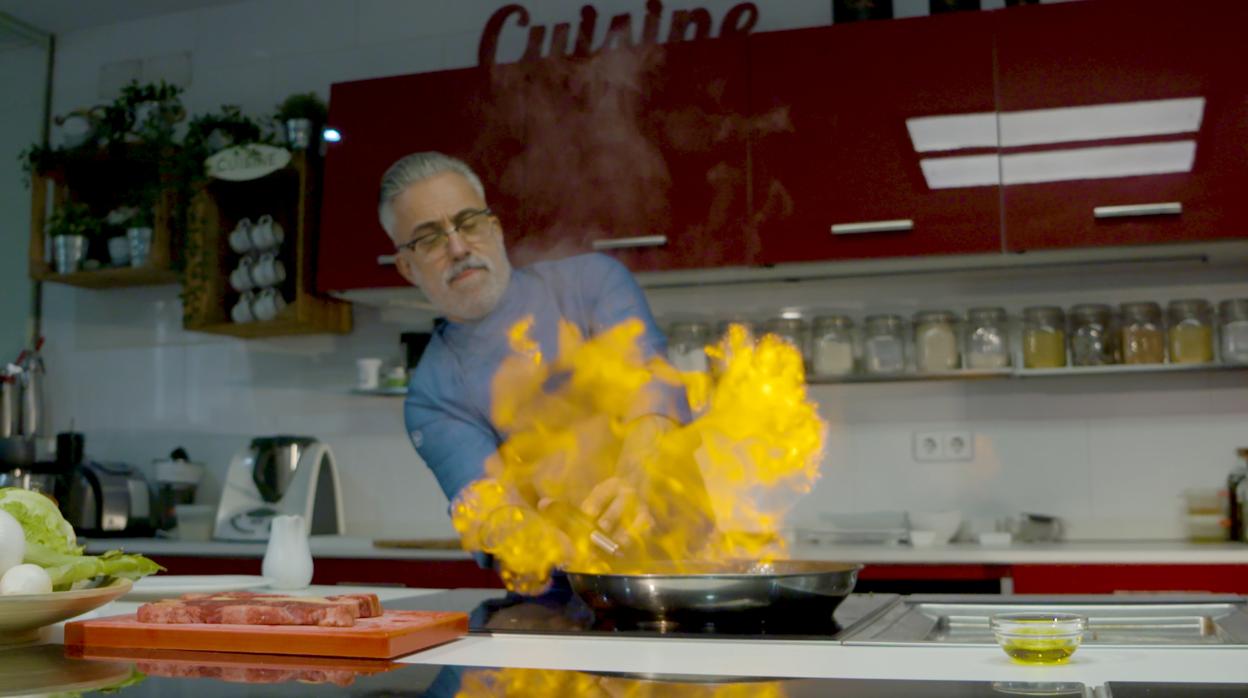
[1039, 638]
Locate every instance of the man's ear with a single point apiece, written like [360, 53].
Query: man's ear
[407, 270]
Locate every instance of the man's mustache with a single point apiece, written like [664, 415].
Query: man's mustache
[463, 265]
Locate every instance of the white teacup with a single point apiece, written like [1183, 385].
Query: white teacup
[268, 270]
[240, 238]
[268, 304]
[243, 278]
[267, 233]
[242, 310]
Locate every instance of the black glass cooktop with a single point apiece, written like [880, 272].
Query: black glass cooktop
[1116, 689]
[559, 611]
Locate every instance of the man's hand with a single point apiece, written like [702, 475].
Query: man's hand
[616, 504]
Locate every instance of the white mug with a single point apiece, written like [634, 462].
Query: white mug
[368, 373]
[243, 278]
[266, 233]
[269, 270]
[240, 238]
[241, 312]
[268, 304]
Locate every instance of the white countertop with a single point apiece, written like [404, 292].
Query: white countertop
[802, 659]
[1109, 552]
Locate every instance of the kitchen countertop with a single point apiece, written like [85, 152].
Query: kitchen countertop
[811, 659]
[1108, 552]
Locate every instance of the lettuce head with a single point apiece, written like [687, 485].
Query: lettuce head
[51, 543]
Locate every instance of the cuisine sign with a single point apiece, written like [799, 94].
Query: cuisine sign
[685, 25]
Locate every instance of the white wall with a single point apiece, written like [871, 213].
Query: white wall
[1111, 452]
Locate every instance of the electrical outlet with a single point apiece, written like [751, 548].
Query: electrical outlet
[958, 446]
[943, 446]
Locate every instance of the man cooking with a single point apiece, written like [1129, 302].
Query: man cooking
[450, 245]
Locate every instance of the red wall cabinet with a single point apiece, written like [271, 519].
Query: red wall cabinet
[842, 144]
[470, 114]
[1123, 103]
[1109, 579]
[640, 153]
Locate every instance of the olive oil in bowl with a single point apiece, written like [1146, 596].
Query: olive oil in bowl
[1039, 638]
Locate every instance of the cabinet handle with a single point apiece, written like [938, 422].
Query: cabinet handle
[894, 226]
[1167, 208]
[386, 260]
[627, 243]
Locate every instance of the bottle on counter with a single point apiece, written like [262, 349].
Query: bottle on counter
[1233, 315]
[936, 341]
[884, 345]
[832, 346]
[1191, 332]
[1091, 335]
[1143, 334]
[987, 338]
[1044, 337]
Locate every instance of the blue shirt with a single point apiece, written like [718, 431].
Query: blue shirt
[448, 405]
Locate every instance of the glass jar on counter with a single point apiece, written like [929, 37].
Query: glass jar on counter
[936, 341]
[1143, 335]
[791, 330]
[1044, 337]
[1233, 316]
[987, 338]
[884, 344]
[1092, 335]
[1190, 332]
[832, 346]
[686, 346]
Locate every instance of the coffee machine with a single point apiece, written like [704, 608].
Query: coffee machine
[279, 475]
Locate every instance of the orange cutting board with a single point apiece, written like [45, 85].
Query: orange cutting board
[393, 634]
[239, 668]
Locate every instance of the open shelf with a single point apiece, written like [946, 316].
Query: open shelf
[113, 277]
[381, 392]
[1065, 371]
[289, 195]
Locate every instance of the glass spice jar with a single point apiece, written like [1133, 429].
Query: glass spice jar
[936, 341]
[832, 350]
[1190, 332]
[1143, 335]
[1091, 335]
[1233, 316]
[987, 338]
[686, 346]
[792, 330]
[884, 344]
[1044, 337]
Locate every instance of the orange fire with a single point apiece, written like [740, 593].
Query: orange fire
[716, 489]
[499, 683]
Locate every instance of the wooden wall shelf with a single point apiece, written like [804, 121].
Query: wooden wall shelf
[157, 271]
[290, 197]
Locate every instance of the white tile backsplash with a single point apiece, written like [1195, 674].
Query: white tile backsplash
[1111, 453]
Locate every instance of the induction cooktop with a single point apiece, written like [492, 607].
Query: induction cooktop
[559, 611]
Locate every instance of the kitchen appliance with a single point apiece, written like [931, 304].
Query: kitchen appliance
[1179, 620]
[560, 611]
[110, 500]
[278, 475]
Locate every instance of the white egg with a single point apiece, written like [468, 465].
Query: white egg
[25, 579]
[12, 542]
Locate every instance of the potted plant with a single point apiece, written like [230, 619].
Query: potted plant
[301, 115]
[152, 110]
[70, 226]
[37, 159]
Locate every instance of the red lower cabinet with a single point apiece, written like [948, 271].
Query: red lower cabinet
[1110, 579]
[423, 574]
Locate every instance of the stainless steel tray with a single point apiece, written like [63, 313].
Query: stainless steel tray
[1170, 621]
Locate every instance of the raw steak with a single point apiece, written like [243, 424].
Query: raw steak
[243, 608]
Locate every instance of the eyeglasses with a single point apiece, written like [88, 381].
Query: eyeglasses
[472, 227]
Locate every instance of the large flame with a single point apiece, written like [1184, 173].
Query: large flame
[509, 683]
[716, 489]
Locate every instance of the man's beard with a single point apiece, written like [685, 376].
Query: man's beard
[473, 303]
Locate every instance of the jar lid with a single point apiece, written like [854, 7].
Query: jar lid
[1094, 312]
[884, 323]
[1233, 309]
[1048, 314]
[1146, 311]
[1189, 305]
[690, 329]
[934, 316]
[785, 323]
[985, 315]
[830, 321]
